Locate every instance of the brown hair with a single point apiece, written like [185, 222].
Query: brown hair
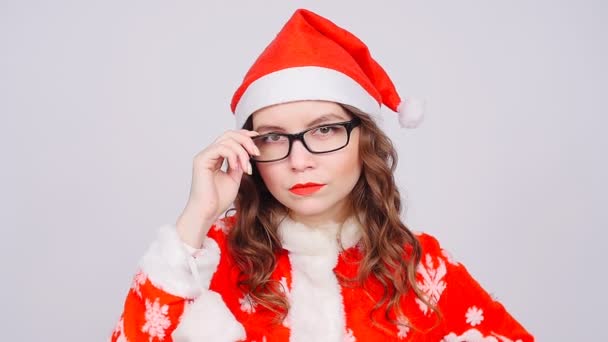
[391, 252]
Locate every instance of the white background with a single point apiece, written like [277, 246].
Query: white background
[103, 105]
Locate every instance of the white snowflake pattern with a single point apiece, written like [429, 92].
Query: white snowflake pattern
[157, 320]
[138, 280]
[247, 304]
[119, 326]
[432, 284]
[449, 257]
[349, 336]
[122, 338]
[403, 328]
[119, 331]
[474, 316]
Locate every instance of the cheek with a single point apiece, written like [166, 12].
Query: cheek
[350, 166]
[351, 163]
[268, 174]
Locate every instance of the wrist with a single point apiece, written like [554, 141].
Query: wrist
[192, 227]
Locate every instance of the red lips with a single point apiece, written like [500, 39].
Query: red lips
[306, 188]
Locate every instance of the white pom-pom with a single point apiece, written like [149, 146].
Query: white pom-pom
[411, 112]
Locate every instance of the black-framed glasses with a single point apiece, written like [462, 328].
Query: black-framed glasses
[319, 139]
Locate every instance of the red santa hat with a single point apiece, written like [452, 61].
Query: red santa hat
[312, 58]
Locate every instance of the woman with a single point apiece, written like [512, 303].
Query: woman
[315, 249]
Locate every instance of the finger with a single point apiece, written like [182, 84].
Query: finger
[241, 153]
[236, 174]
[249, 142]
[244, 137]
[226, 152]
[248, 132]
[243, 132]
[244, 140]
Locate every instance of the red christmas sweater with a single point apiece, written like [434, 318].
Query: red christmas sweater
[185, 294]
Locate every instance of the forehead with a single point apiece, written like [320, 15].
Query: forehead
[296, 115]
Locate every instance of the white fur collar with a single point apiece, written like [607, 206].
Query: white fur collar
[316, 310]
[302, 239]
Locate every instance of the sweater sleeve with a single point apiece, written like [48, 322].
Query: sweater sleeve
[170, 299]
[469, 311]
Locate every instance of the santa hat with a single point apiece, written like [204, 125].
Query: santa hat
[312, 58]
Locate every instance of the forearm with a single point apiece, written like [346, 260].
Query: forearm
[192, 227]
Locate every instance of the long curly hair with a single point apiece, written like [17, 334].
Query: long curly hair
[391, 252]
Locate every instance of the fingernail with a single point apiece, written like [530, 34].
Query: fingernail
[249, 168]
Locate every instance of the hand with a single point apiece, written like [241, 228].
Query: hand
[212, 189]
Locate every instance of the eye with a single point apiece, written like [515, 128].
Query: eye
[325, 130]
[274, 138]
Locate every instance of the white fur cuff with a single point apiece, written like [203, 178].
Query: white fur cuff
[208, 319]
[170, 266]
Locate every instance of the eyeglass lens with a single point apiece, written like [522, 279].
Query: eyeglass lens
[321, 139]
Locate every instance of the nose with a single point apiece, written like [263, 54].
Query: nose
[300, 158]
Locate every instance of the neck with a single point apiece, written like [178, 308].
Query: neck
[323, 239]
[337, 215]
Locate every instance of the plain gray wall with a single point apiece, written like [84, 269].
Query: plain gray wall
[105, 103]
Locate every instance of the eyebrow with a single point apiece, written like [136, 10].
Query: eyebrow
[322, 119]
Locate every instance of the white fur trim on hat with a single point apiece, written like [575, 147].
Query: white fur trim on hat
[304, 83]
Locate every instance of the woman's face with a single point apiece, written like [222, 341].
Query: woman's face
[336, 172]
